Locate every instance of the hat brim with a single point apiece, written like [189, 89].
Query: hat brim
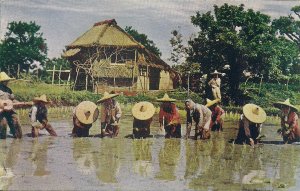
[247, 111]
[280, 104]
[6, 80]
[84, 107]
[107, 97]
[148, 114]
[166, 100]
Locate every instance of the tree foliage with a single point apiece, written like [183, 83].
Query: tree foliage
[143, 39]
[23, 44]
[242, 39]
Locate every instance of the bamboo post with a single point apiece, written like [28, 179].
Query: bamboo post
[53, 74]
[135, 58]
[77, 72]
[59, 75]
[69, 78]
[147, 77]
[86, 82]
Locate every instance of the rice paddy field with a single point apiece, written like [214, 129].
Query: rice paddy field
[93, 163]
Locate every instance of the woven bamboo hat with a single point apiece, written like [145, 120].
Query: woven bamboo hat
[211, 102]
[285, 103]
[106, 96]
[4, 77]
[42, 98]
[166, 98]
[215, 72]
[143, 110]
[254, 113]
[87, 112]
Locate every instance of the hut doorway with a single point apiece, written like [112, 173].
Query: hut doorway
[154, 78]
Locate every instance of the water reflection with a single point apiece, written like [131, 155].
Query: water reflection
[107, 161]
[98, 157]
[9, 154]
[83, 156]
[168, 159]
[39, 155]
[142, 157]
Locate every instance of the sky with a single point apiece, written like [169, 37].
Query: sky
[62, 21]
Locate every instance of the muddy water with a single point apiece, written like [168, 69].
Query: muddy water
[65, 163]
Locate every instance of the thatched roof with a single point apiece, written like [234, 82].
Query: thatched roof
[105, 33]
[108, 33]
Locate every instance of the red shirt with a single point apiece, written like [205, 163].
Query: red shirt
[216, 113]
[170, 116]
[292, 122]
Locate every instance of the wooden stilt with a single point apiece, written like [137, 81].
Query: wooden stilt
[53, 72]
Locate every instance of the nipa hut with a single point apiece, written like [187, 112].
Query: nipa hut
[106, 58]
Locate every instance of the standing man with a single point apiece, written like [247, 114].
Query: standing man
[110, 115]
[250, 124]
[8, 117]
[84, 115]
[201, 115]
[169, 117]
[289, 130]
[142, 117]
[217, 116]
[215, 84]
[39, 116]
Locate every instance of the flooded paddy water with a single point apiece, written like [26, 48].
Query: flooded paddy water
[92, 163]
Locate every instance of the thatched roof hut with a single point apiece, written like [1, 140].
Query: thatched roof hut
[106, 57]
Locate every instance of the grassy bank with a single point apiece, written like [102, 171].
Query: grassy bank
[63, 96]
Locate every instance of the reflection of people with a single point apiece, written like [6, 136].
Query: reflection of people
[169, 117]
[84, 115]
[142, 117]
[83, 155]
[289, 130]
[9, 156]
[110, 115]
[215, 84]
[107, 162]
[250, 124]
[202, 117]
[143, 157]
[39, 156]
[38, 116]
[217, 115]
[168, 159]
[9, 117]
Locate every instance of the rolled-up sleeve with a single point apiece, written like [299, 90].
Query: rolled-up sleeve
[33, 114]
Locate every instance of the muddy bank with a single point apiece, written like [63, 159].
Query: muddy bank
[65, 163]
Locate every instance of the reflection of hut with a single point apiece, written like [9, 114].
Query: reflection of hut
[106, 57]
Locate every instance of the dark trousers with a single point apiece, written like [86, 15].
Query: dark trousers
[79, 129]
[11, 119]
[47, 126]
[173, 131]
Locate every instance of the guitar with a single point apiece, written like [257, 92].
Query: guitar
[8, 105]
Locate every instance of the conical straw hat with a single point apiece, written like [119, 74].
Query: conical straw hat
[87, 112]
[216, 72]
[42, 98]
[5, 77]
[143, 110]
[254, 113]
[285, 103]
[106, 96]
[211, 102]
[166, 98]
